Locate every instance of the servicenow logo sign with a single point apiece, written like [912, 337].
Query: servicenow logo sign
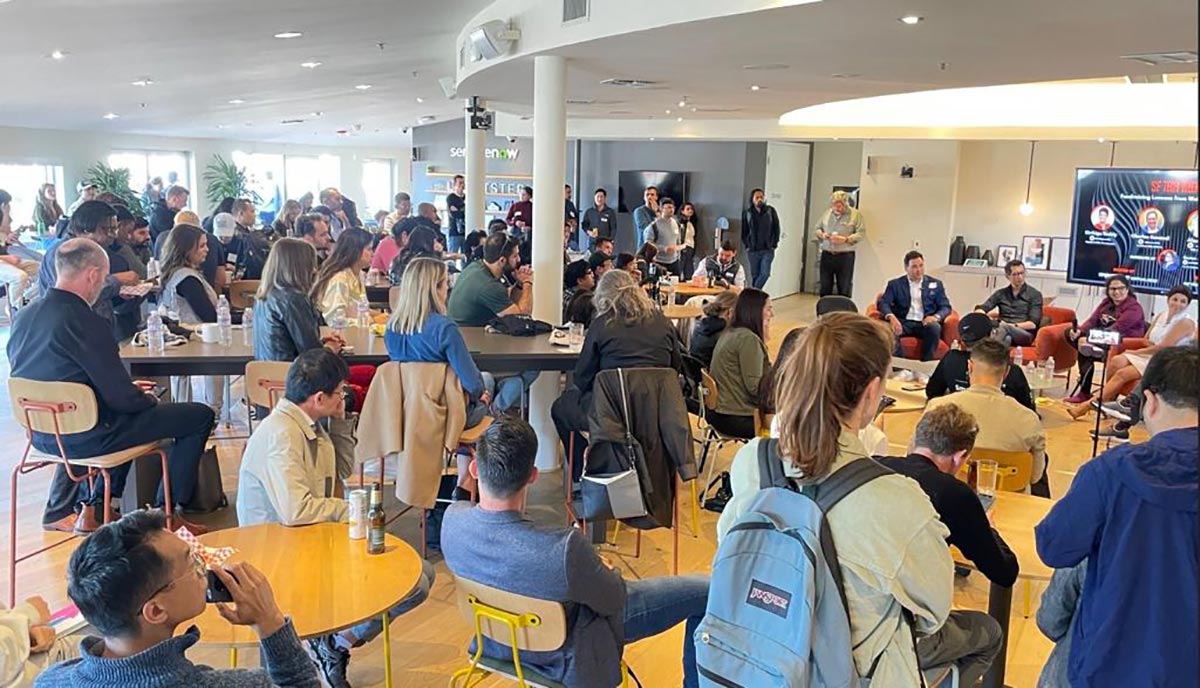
[509, 154]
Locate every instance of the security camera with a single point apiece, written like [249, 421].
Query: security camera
[511, 139]
[404, 130]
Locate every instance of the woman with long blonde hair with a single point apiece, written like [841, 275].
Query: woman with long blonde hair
[628, 331]
[891, 547]
[420, 331]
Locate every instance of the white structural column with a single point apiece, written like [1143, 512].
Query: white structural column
[549, 173]
[476, 174]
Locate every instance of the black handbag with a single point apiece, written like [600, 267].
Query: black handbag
[518, 326]
[618, 494]
[722, 495]
[210, 492]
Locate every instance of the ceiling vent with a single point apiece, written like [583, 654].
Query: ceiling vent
[575, 10]
[576, 101]
[717, 109]
[1179, 57]
[770, 67]
[629, 83]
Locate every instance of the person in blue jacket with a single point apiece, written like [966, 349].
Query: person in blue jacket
[1131, 512]
[915, 305]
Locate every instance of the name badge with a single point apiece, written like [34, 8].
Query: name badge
[933, 285]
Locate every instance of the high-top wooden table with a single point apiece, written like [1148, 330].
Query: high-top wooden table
[324, 581]
[491, 352]
[1014, 515]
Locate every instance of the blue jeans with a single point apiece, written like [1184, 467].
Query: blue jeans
[510, 389]
[760, 266]
[454, 243]
[367, 631]
[655, 605]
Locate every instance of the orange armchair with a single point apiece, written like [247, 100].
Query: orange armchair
[910, 347]
[1051, 340]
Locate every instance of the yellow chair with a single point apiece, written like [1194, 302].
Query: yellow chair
[541, 626]
[1015, 468]
[241, 293]
[59, 409]
[265, 382]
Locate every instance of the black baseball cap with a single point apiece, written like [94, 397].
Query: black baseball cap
[974, 327]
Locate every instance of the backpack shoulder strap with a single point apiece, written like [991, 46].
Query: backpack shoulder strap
[847, 479]
[770, 467]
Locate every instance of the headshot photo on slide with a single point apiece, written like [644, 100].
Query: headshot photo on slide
[1102, 217]
[1169, 260]
[1193, 223]
[1150, 220]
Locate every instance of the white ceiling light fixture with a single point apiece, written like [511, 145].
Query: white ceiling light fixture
[755, 87]
[58, 55]
[420, 99]
[911, 20]
[144, 81]
[678, 119]
[426, 119]
[284, 35]
[668, 111]
[1026, 208]
[111, 116]
[236, 101]
[313, 64]
[363, 87]
[316, 113]
[683, 102]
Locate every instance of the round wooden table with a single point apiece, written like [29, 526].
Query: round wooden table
[689, 289]
[324, 581]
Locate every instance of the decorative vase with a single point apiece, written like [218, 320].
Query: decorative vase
[972, 252]
[990, 258]
[958, 251]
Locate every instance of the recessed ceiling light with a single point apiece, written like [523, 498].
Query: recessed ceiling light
[651, 138]
[1100, 140]
[765, 67]
[756, 87]
[678, 119]
[236, 101]
[426, 119]
[144, 81]
[111, 115]
[289, 34]
[420, 99]
[682, 103]
[58, 54]
[222, 126]
[912, 20]
[310, 65]
[695, 109]
[315, 113]
[363, 87]
[668, 111]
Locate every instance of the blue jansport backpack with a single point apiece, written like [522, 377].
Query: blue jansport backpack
[777, 615]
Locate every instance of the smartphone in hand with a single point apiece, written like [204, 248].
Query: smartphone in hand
[216, 592]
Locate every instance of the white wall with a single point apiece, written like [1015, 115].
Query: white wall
[835, 163]
[992, 176]
[904, 214]
[76, 151]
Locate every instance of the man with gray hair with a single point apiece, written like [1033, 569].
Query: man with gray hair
[838, 232]
[59, 338]
[403, 204]
[162, 213]
[343, 214]
[943, 439]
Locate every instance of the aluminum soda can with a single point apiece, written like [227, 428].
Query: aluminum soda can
[358, 514]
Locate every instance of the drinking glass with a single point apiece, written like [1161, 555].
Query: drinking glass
[575, 336]
[987, 475]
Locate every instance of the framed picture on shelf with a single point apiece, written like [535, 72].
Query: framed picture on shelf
[1060, 253]
[1005, 253]
[1035, 252]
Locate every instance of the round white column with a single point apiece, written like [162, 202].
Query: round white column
[476, 174]
[549, 175]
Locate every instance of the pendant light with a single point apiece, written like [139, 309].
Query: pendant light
[1112, 154]
[1026, 208]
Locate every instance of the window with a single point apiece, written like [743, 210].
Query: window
[265, 174]
[172, 166]
[309, 174]
[377, 187]
[23, 181]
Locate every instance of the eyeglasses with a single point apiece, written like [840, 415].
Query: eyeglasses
[1118, 287]
[1017, 274]
[196, 567]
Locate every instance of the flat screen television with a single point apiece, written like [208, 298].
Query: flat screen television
[1141, 223]
[633, 183]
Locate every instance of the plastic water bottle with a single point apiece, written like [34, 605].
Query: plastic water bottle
[1049, 369]
[247, 323]
[224, 321]
[338, 321]
[954, 346]
[363, 313]
[1019, 357]
[152, 269]
[155, 334]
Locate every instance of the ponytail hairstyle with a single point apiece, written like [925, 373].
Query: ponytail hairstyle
[821, 384]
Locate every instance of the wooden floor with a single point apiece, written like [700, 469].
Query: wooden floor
[428, 643]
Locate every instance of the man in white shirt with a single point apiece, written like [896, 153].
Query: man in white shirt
[289, 475]
[1004, 424]
[915, 305]
[722, 268]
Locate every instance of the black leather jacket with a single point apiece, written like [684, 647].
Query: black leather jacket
[285, 324]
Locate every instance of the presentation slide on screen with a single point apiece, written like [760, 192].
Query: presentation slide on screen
[1137, 223]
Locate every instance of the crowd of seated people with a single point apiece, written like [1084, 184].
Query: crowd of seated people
[821, 395]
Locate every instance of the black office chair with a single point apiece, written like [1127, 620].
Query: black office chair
[835, 304]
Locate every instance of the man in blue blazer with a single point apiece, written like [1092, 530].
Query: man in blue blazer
[915, 305]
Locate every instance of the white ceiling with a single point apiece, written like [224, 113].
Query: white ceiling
[203, 53]
[841, 49]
